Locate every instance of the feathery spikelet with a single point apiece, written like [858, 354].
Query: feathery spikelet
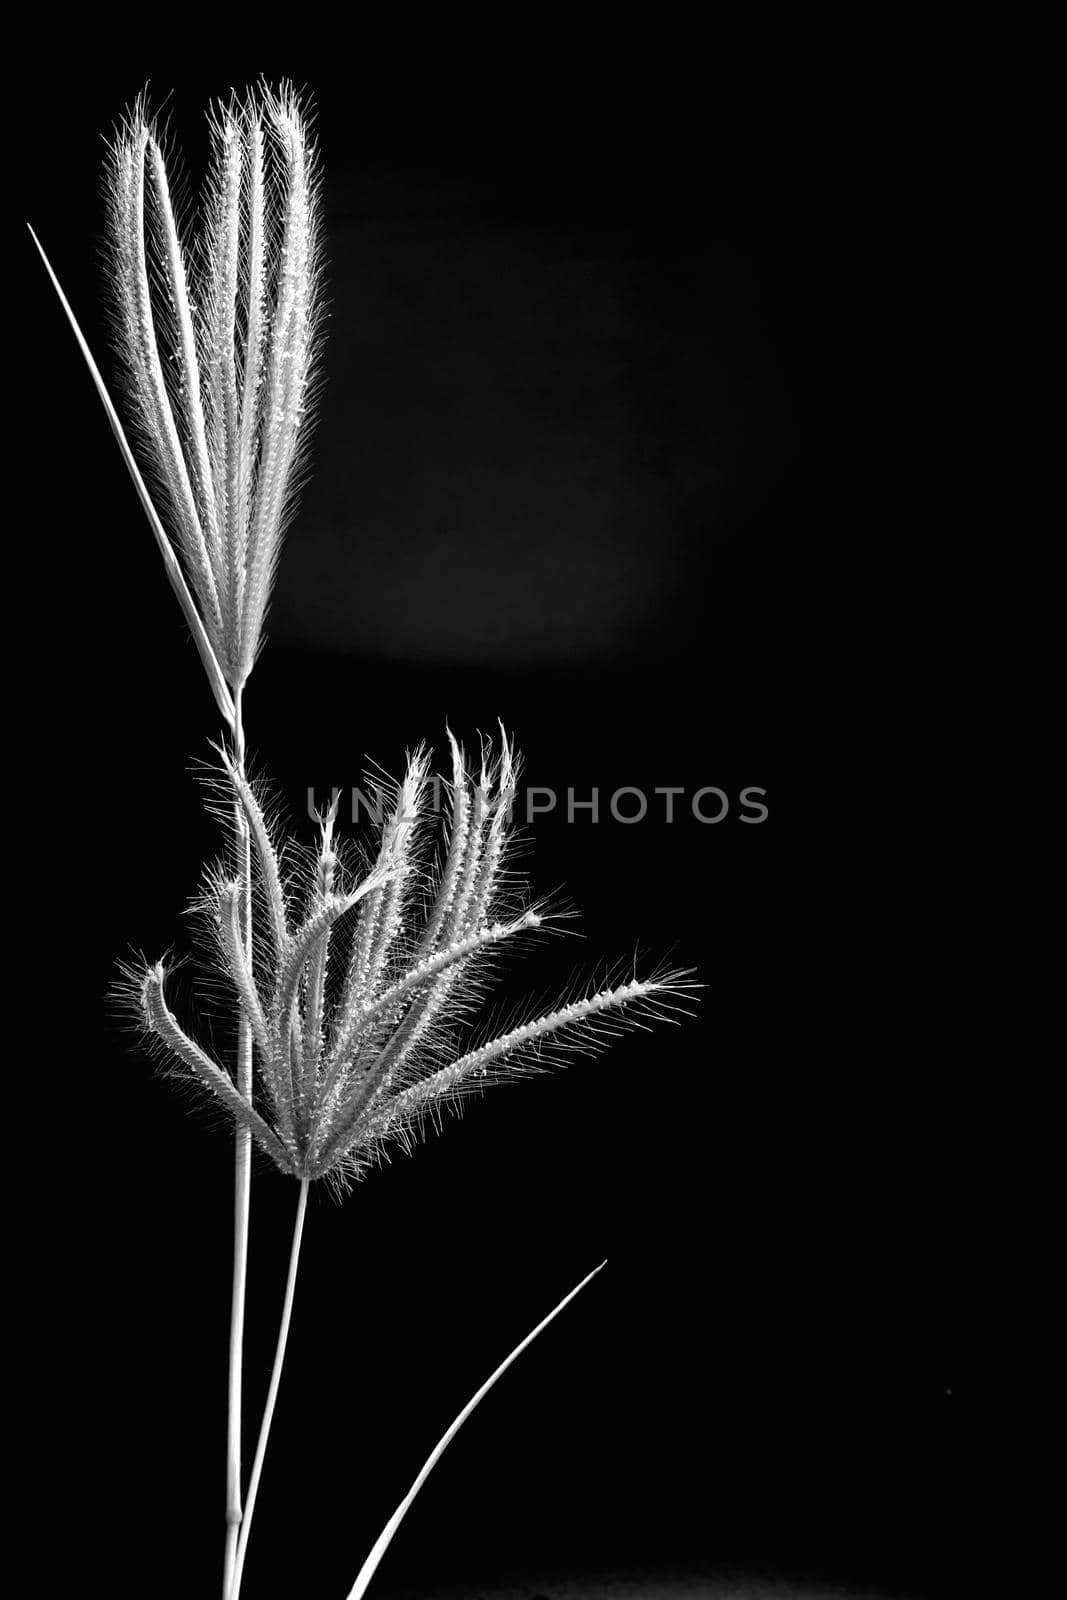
[363, 985]
[218, 344]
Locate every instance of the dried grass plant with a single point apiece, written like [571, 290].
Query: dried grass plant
[356, 972]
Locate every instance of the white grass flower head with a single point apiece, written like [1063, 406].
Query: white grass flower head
[218, 343]
[363, 991]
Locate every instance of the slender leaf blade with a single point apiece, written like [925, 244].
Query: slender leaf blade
[166, 550]
[384, 1539]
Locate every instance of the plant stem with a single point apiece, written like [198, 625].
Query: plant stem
[242, 1192]
[272, 1392]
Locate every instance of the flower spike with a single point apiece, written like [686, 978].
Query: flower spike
[348, 1068]
[218, 341]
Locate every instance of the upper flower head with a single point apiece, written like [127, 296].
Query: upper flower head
[218, 344]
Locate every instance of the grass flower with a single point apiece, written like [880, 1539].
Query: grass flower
[364, 993]
[356, 975]
[360, 988]
[218, 344]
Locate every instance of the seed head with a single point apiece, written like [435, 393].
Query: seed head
[218, 340]
[363, 990]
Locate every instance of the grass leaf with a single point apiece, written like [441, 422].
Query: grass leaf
[384, 1539]
[170, 560]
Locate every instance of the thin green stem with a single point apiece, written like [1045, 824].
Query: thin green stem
[272, 1392]
[242, 1192]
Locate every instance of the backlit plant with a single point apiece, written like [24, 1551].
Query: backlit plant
[356, 972]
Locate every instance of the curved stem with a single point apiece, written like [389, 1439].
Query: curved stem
[242, 1191]
[272, 1392]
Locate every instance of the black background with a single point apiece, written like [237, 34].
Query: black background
[572, 470]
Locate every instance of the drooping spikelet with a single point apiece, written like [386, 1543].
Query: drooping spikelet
[363, 987]
[218, 343]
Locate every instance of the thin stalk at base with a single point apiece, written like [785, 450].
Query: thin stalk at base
[272, 1392]
[242, 1195]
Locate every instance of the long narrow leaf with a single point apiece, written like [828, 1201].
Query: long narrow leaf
[170, 560]
[370, 1566]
